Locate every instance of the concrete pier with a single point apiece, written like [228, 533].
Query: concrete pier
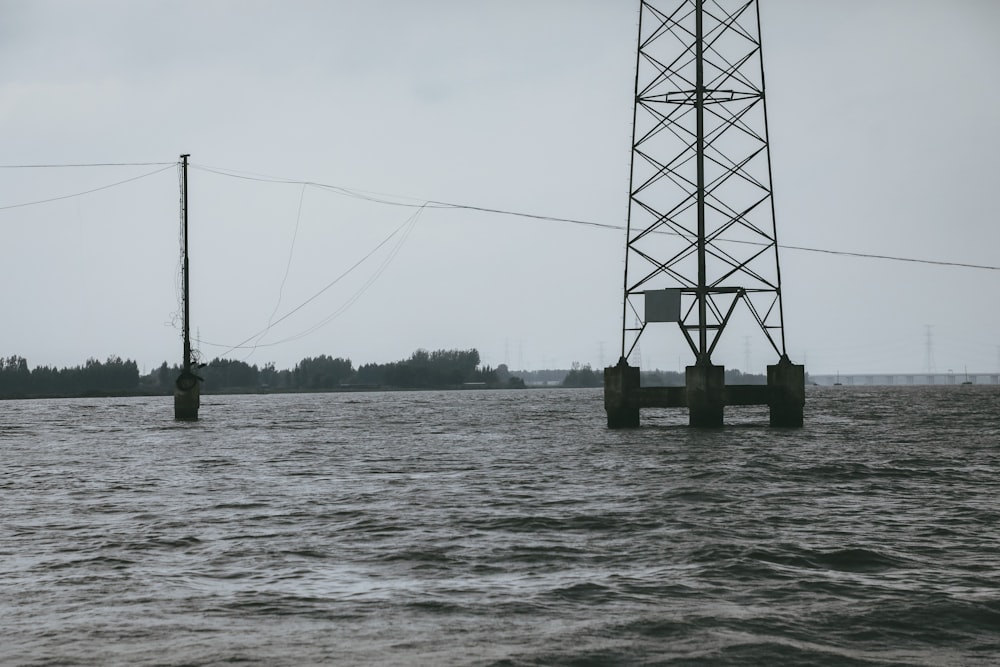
[705, 394]
[786, 383]
[187, 396]
[622, 395]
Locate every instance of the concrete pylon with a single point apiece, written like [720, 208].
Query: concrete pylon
[622, 395]
[706, 387]
[786, 383]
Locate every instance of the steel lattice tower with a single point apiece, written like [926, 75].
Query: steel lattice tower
[701, 241]
[701, 212]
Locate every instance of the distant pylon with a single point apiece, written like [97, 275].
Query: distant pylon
[929, 349]
[701, 224]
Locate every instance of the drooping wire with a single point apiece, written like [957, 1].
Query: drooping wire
[87, 192]
[361, 290]
[893, 258]
[396, 200]
[242, 344]
[84, 164]
[284, 279]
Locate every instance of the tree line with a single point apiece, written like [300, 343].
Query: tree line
[440, 369]
[116, 375]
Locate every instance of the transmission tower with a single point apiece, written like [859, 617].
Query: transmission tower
[929, 350]
[701, 240]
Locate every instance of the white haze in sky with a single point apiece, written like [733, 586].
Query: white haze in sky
[884, 140]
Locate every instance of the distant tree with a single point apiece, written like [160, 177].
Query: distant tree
[662, 379]
[322, 372]
[163, 375]
[229, 374]
[371, 375]
[735, 376]
[442, 368]
[582, 376]
[15, 378]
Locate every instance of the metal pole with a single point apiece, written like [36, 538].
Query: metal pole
[700, 161]
[187, 272]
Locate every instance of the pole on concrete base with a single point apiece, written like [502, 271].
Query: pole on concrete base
[621, 395]
[187, 396]
[706, 386]
[786, 383]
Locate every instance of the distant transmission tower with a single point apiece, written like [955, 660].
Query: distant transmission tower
[701, 240]
[929, 350]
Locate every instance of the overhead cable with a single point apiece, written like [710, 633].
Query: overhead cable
[243, 344]
[85, 164]
[396, 200]
[87, 192]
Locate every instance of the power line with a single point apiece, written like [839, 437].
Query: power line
[85, 164]
[893, 258]
[410, 223]
[396, 200]
[170, 165]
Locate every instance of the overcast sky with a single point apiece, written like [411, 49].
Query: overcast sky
[884, 140]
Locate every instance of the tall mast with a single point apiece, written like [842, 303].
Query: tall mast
[186, 266]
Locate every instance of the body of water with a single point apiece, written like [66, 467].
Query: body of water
[500, 528]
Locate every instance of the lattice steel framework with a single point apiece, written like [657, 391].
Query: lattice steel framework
[701, 211]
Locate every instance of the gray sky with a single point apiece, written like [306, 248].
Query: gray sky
[884, 139]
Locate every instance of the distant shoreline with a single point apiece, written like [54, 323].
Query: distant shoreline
[263, 392]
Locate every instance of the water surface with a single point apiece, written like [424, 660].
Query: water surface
[508, 528]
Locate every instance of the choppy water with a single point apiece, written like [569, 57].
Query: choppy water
[500, 528]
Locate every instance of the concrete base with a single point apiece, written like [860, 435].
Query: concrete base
[786, 383]
[706, 386]
[705, 394]
[187, 397]
[622, 395]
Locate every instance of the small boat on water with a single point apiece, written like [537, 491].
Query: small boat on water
[187, 387]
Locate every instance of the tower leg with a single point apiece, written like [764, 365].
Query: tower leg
[705, 394]
[786, 383]
[621, 395]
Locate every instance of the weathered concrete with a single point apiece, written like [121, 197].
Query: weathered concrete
[746, 394]
[786, 383]
[662, 397]
[187, 396]
[622, 395]
[705, 394]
